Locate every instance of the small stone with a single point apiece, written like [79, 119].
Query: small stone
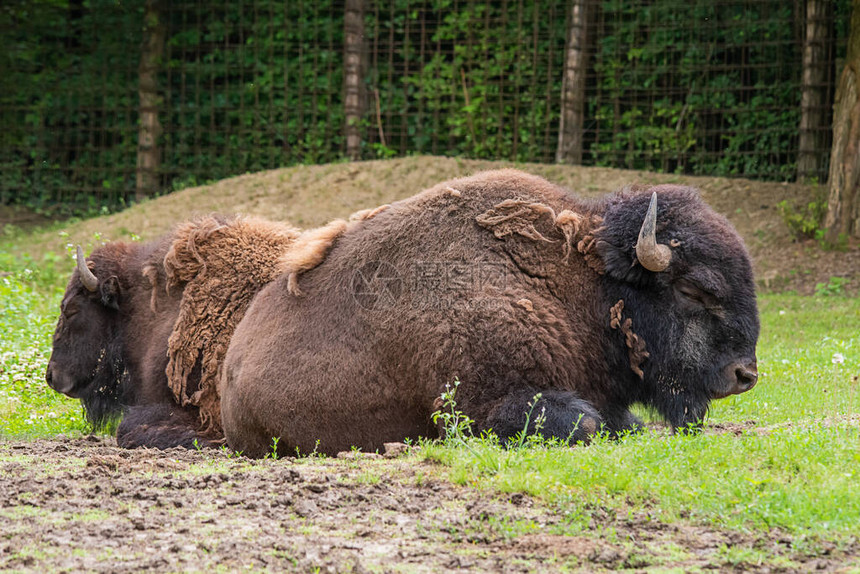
[395, 449]
[306, 508]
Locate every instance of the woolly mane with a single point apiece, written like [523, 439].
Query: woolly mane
[221, 264]
[514, 216]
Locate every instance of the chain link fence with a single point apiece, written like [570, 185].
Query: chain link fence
[712, 87]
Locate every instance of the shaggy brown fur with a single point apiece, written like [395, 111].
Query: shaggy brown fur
[477, 280]
[220, 264]
[635, 345]
[343, 394]
[520, 217]
[312, 247]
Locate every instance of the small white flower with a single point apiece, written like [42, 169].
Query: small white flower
[838, 358]
[782, 311]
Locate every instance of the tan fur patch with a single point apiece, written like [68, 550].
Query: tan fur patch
[526, 304]
[313, 246]
[589, 424]
[221, 264]
[636, 352]
[587, 243]
[309, 250]
[151, 274]
[569, 223]
[516, 216]
[368, 213]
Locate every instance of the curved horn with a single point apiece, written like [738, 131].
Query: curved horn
[90, 281]
[652, 255]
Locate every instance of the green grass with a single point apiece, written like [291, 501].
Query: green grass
[30, 294]
[795, 468]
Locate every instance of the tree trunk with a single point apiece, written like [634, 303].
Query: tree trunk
[814, 88]
[353, 72]
[148, 154]
[570, 127]
[843, 204]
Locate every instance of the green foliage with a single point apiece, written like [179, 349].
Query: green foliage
[273, 453]
[693, 87]
[834, 287]
[456, 427]
[479, 79]
[68, 100]
[251, 87]
[690, 87]
[804, 223]
[30, 295]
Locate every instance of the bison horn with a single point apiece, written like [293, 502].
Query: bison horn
[90, 281]
[652, 255]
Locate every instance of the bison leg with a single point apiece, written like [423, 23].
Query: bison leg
[621, 421]
[556, 414]
[162, 427]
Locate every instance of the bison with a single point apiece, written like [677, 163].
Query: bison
[143, 328]
[512, 286]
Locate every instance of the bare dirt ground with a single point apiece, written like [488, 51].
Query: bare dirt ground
[86, 505]
[308, 196]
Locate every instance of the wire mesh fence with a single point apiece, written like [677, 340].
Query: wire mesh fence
[713, 87]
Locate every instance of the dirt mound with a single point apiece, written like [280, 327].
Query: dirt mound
[309, 196]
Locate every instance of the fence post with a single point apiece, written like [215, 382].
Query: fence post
[814, 84]
[152, 48]
[572, 117]
[353, 68]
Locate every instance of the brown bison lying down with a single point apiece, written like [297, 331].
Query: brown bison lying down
[144, 328]
[513, 287]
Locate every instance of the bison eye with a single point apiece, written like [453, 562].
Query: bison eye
[69, 310]
[698, 297]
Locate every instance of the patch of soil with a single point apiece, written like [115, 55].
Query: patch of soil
[86, 505]
[309, 196]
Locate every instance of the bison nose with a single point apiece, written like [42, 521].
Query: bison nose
[746, 376]
[61, 383]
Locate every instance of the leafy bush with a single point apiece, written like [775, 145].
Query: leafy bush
[804, 223]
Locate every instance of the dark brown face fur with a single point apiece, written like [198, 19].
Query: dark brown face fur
[102, 336]
[698, 319]
[84, 333]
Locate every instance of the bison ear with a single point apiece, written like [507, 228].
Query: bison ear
[109, 290]
[620, 263]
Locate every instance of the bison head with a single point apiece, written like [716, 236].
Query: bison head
[686, 283]
[84, 360]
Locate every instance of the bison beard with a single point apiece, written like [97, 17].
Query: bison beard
[484, 286]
